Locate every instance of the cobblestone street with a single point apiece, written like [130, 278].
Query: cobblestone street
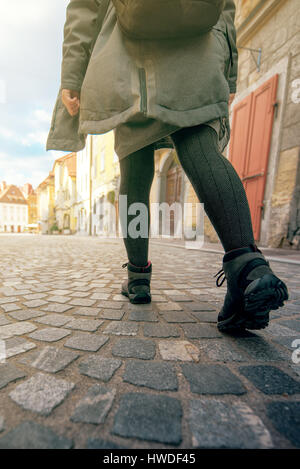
[84, 368]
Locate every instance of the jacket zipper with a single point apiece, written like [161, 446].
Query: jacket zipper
[143, 87]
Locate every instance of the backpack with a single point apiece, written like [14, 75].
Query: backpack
[167, 19]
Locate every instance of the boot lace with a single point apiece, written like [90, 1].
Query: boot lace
[220, 274]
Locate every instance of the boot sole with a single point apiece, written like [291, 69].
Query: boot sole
[138, 298]
[260, 297]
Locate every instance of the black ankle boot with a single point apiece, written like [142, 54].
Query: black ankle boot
[137, 287]
[252, 290]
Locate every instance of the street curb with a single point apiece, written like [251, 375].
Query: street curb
[270, 258]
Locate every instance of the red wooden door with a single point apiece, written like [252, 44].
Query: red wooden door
[250, 144]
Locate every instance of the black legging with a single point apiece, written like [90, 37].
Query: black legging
[213, 178]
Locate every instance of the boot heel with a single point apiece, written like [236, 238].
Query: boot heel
[137, 287]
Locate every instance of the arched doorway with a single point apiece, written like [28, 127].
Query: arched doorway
[173, 189]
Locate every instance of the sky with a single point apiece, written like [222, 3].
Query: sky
[31, 37]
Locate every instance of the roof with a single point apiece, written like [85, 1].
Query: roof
[12, 195]
[70, 162]
[46, 181]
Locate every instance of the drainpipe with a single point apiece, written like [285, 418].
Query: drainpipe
[90, 175]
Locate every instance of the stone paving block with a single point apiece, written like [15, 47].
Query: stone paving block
[54, 319]
[201, 307]
[155, 375]
[16, 292]
[35, 296]
[90, 325]
[9, 373]
[161, 330]
[222, 425]
[203, 316]
[50, 359]
[31, 435]
[4, 321]
[82, 302]
[41, 393]
[178, 350]
[49, 334]
[180, 299]
[149, 417]
[285, 341]
[56, 308]
[198, 331]
[169, 306]
[99, 367]
[80, 294]
[285, 416]
[110, 304]
[212, 379]
[94, 406]
[270, 379]
[16, 345]
[221, 351]
[60, 293]
[157, 297]
[12, 299]
[275, 329]
[34, 303]
[26, 314]
[98, 443]
[260, 349]
[146, 316]
[134, 348]
[86, 341]
[20, 328]
[87, 311]
[296, 367]
[10, 307]
[178, 317]
[121, 328]
[2, 426]
[113, 314]
[100, 296]
[293, 324]
[59, 299]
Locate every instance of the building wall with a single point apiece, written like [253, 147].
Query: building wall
[13, 217]
[275, 27]
[83, 188]
[105, 186]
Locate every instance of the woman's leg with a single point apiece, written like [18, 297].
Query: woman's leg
[252, 287]
[216, 184]
[137, 173]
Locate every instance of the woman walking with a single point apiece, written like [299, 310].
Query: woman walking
[151, 69]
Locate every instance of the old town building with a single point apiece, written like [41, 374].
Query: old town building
[64, 169]
[13, 209]
[45, 204]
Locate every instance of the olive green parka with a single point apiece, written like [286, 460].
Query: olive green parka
[178, 82]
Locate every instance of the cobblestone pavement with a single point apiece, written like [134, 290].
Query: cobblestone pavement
[86, 369]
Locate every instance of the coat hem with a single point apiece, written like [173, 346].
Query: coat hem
[184, 118]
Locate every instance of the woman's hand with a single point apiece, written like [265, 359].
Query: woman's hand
[70, 99]
[231, 98]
